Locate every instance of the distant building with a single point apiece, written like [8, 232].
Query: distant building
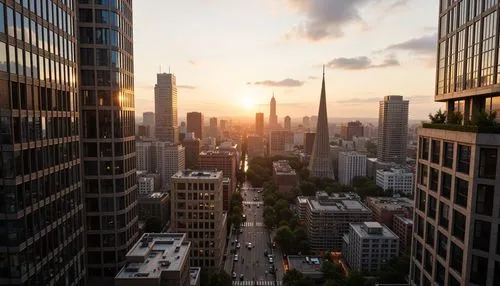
[197, 208]
[195, 124]
[351, 165]
[280, 142]
[284, 176]
[288, 123]
[273, 117]
[403, 227]
[384, 209]
[373, 165]
[155, 205]
[157, 259]
[309, 142]
[166, 108]
[193, 149]
[327, 219]
[369, 245]
[392, 129]
[256, 146]
[208, 144]
[399, 180]
[223, 125]
[307, 265]
[360, 143]
[143, 150]
[306, 122]
[351, 129]
[213, 131]
[148, 118]
[259, 124]
[147, 183]
[170, 159]
[144, 131]
[224, 161]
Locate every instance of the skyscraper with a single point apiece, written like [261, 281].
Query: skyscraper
[148, 118]
[166, 125]
[193, 149]
[320, 164]
[108, 137]
[288, 123]
[42, 209]
[273, 117]
[195, 124]
[456, 238]
[259, 124]
[392, 130]
[214, 132]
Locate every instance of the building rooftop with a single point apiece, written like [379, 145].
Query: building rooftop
[372, 229]
[390, 203]
[404, 219]
[155, 253]
[282, 167]
[305, 264]
[196, 174]
[217, 153]
[194, 275]
[338, 203]
[395, 171]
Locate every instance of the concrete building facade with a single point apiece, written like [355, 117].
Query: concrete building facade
[280, 142]
[193, 149]
[259, 124]
[155, 205]
[351, 129]
[399, 180]
[166, 117]
[351, 164]
[256, 146]
[170, 159]
[392, 129]
[385, 208]
[195, 124]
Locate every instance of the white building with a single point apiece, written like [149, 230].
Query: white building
[369, 245]
[360, 143]
[143, 155]
[146, 183]
[396, 179]
[170, 160]
[351, 164]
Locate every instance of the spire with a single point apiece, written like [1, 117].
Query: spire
[273, 94]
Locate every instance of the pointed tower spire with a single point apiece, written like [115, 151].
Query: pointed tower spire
[320, 164]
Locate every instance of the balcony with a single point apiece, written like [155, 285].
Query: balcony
[463, 128]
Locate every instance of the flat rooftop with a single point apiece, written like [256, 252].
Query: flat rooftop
[405, 220]
[390, 203]
[305, 265]
[363, 230]
[217, 153]
[282, 167]
[195, 174]
[155, 253]
[194, 275]
[336, 204]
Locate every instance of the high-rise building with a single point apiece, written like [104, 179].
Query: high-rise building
[256, 146]
[320, 164]
[226, 162]
[259, 124]
[351, 165]
[144, 131]
[280, 142]
[155, 205]
[223, 125]
[148, 118]
[288, 123]
[108, 121]
[392, 130]
[166, 108]
[214, 132]
[146, 155]
[273, 117]
[309, 142]
[42, 210]
[170, 158]
[306, 121]
[351, 129]
[456, 235]
[193, 149]
[195, 124]
[197, 208]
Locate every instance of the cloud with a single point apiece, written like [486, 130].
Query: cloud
[361, 63]
[397, 4]
[313, 77]
[186, 86]
[288, 82]
[425, 45]
[414, 99]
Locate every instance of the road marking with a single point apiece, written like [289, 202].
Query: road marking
[253, 202]
[258, 283]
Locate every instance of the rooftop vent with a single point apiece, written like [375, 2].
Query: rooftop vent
[164, 263]
[177, 248]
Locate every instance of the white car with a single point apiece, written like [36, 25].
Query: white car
[236, 257]
[249, 245]
[238, 245]
[271, 259]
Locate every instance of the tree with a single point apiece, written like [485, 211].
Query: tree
[285, 238]
[216, 278]
[268, 210]
[485, 119]
[331, 271]
[454, 117]
[236, 220]
[355, 278]
[270, 220]
[153, 224]
[285, 214]
[292, 278]
[281, 204]
[269, 200]
[332, 283]
[438, 118]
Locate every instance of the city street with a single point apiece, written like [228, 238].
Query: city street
[253, 263]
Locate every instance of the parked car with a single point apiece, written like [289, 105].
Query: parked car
[234, 275]
[238, 245]
[271, 259]
[236, 257]
[242, 277]
[249, 245]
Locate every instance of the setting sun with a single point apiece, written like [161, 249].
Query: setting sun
[248, 103]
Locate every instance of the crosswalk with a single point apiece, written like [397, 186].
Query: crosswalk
[257, 283]
[253, 202]
[251, 223]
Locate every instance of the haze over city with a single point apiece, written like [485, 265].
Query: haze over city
[232, 55]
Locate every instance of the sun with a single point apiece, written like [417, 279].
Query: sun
[248, 103]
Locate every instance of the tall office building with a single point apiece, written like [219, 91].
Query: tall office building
[351, 129]
[280, 142]
[273, 117]
[42, 211]
[193, 149]
[288, 123]
[259, 124]
[197, 211]
[351, 164]
[456, 239]
[108, 139]
[170, 158]
[195, 124]
[214, 132]
[320, 164]
[148, 118]
[392, 130]
[166, 128]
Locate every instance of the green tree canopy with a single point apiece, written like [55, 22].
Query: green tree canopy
[332, 271]
[292, 278]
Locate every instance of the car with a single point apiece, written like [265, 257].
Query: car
[271, 259]
[238, 245]
[266, 253]
[236, 257]
[241, 277]
[241, 230]
[274, 244]
[234, 275]
[255, 199]
[258, 206]
[249, 245]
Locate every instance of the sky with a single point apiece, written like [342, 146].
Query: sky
[230, 56]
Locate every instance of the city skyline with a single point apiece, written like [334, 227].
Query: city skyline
[400, 63]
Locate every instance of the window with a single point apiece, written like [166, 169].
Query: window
[2, 22]
[456, 259]
[102, 16]
[102, 57]
[429, 235]
[87, 77]
[11, 28]
[482, 231]
[442, 245]
[436, 150]
[479, 270]
[431, 207]
[423, 174]
[102, 36]
[86, 57]
[445, 185]
[103, 78]
[433, 186]
[487, 163]
[3, 57]
[458, 229]
[85, 15]
[424, 148]
[444, 215]
[484, 199]
[463, 159]
[418, 251]
[86, 35]
[12, 59]
[448, 155]
[461, 192]
[421, 200]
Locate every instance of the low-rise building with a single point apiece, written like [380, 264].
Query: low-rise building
[147, 183]
[157, 259]
[399, 180]
[403, 227]
[155, 205]
[328, 218]
[284, 177]
[369, 245]
[384, 208]
[307, 265]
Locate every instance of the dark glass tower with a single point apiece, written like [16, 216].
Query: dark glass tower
[41, 206]
[108, 142]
